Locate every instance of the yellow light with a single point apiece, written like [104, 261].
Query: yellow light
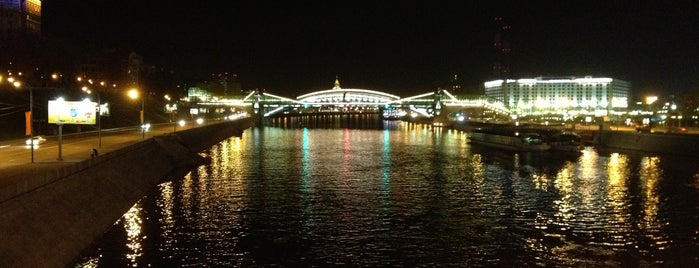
[651, 99]
[133, 93]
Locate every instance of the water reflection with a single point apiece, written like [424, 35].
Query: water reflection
[411, 195]
[134, 236]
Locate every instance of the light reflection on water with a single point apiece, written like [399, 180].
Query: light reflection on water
[409, 195]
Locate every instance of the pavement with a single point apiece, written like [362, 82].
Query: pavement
[16, 157]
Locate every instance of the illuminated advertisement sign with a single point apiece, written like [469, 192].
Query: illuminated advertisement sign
[72, 112]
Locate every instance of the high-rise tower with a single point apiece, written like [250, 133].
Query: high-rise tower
[501, 48]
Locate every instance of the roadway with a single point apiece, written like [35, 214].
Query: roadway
[16, 156]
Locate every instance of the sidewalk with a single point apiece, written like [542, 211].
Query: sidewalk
[75, 149]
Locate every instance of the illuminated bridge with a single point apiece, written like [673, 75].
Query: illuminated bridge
[439, 106]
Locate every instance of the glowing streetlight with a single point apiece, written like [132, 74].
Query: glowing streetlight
[17, 84]
[651, 99]
[99, 114]
[134, 94]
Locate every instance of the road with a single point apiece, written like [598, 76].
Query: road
[16, 157]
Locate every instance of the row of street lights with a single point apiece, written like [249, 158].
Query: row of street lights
[18, 84]
[132, 93]
[89, 87]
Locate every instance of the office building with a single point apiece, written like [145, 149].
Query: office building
[567, 96]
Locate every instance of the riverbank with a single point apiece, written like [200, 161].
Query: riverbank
[47, 220]
[625, 139]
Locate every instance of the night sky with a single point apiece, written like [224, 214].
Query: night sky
[401, 47]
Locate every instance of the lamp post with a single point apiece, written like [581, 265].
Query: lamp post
[17, 84]
[143, 114]
[99, 111]
[31, 121]
[172, 110]
[133, 94]
[99, 114]
[99, 121]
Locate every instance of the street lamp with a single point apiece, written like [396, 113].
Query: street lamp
[133, 94]
[17, 84]
[102, 84]
[99, 114]
[172, 110]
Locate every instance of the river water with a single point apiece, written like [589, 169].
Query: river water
[409, 195]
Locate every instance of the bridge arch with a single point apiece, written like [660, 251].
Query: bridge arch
[434, 105]
[351, 96]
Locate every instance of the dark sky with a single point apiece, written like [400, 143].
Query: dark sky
[402, 47]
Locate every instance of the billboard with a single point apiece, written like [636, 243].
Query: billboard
[72, 112]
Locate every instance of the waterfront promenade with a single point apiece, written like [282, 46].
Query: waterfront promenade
[16, 159]
[53, 208]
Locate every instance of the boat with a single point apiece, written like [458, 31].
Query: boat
[509, 139]
[562, 140]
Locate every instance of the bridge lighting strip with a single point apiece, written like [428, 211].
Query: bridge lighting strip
[410, 98]
[420, 112]
[463, 104]
[451, 96]
[209, 103]
[345, 103]
[282, 98]
[274, 111]
[346, 91]
[249, 95]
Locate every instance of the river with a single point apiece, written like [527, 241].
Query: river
[404, 194]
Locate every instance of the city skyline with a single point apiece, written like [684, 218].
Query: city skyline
[411, 47]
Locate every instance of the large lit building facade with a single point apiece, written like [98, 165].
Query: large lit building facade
[567, 96]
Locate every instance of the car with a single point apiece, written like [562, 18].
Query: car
[643, 128]
[36, 141]
[676, 130]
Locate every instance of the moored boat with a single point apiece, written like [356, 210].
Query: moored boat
[509, 139]
[562, 140]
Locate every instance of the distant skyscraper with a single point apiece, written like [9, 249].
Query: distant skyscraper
[454, 84]
[19, 17]
[501, 48]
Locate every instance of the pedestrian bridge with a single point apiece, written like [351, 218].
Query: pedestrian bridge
[434, 104]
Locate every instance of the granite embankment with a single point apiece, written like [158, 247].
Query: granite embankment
[48, 221]
[682, 144]
[675, 144]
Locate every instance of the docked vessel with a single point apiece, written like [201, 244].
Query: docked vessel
[509, 139]
[527, 138]
[561, 140]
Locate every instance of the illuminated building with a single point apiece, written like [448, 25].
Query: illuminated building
[19, 16]
[568, 96]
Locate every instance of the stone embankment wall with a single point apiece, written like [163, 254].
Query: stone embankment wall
[49, 224]
[662, 143]
[677, 144]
